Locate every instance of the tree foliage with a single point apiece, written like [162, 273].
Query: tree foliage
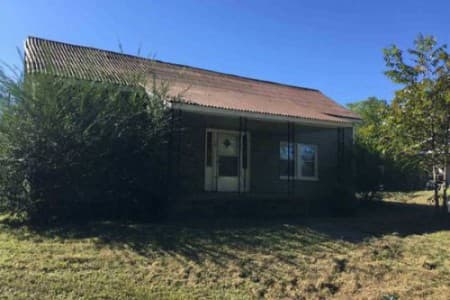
[71, 148]
[373, 112]
[419, 123]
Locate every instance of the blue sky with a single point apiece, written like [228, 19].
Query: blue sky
[334, 46]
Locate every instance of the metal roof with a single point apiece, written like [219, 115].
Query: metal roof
[196, 86]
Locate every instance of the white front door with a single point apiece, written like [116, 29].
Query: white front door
[226, 161]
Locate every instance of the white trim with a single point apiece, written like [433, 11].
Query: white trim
[257, 116]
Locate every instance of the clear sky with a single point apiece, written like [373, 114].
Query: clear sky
[334, 46]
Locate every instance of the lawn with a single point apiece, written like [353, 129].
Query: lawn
[395, 249]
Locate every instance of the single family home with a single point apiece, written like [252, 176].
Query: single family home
[242, 137]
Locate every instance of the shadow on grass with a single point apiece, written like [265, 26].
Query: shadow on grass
[221, 241]
[380, 218]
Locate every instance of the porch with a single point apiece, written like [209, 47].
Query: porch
[217, 160]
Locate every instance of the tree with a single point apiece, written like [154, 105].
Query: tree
[373, 112]
[419, 121]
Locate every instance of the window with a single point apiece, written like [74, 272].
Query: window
[298, 161]
[308, 161]
[287, 157]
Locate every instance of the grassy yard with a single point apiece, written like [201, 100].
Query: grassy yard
[391, 250]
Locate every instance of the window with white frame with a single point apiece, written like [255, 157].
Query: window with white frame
[298, 161]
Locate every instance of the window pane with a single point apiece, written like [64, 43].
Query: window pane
[308, 160]
[308, 169]
[287, 156]
[308, 153]
[286, 151]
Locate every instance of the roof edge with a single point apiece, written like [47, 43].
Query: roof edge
[197, 108]
[355, 118]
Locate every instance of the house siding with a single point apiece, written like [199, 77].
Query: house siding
[188, 155]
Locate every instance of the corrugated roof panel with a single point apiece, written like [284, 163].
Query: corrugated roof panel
[197, 86]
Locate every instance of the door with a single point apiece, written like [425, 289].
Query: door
[226, 161]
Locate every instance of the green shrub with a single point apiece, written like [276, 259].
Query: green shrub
[76, 149]
[368, 175]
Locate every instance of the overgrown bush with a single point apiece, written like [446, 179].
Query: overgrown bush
[375, 172]
[368, 172]
[76, 149]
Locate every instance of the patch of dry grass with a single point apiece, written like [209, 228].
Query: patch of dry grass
[379, 254]
[416, 197]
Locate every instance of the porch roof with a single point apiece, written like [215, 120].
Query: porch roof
[195, 87]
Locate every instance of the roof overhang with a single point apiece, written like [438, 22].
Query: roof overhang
[231, 113]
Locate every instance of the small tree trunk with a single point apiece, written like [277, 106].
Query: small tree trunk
[436, 188]
[445, 185]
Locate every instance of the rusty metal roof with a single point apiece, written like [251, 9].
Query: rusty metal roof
[196, 86]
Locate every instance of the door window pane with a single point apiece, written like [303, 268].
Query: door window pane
[228, 145]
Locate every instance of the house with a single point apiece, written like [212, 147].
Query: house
[242, 137]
